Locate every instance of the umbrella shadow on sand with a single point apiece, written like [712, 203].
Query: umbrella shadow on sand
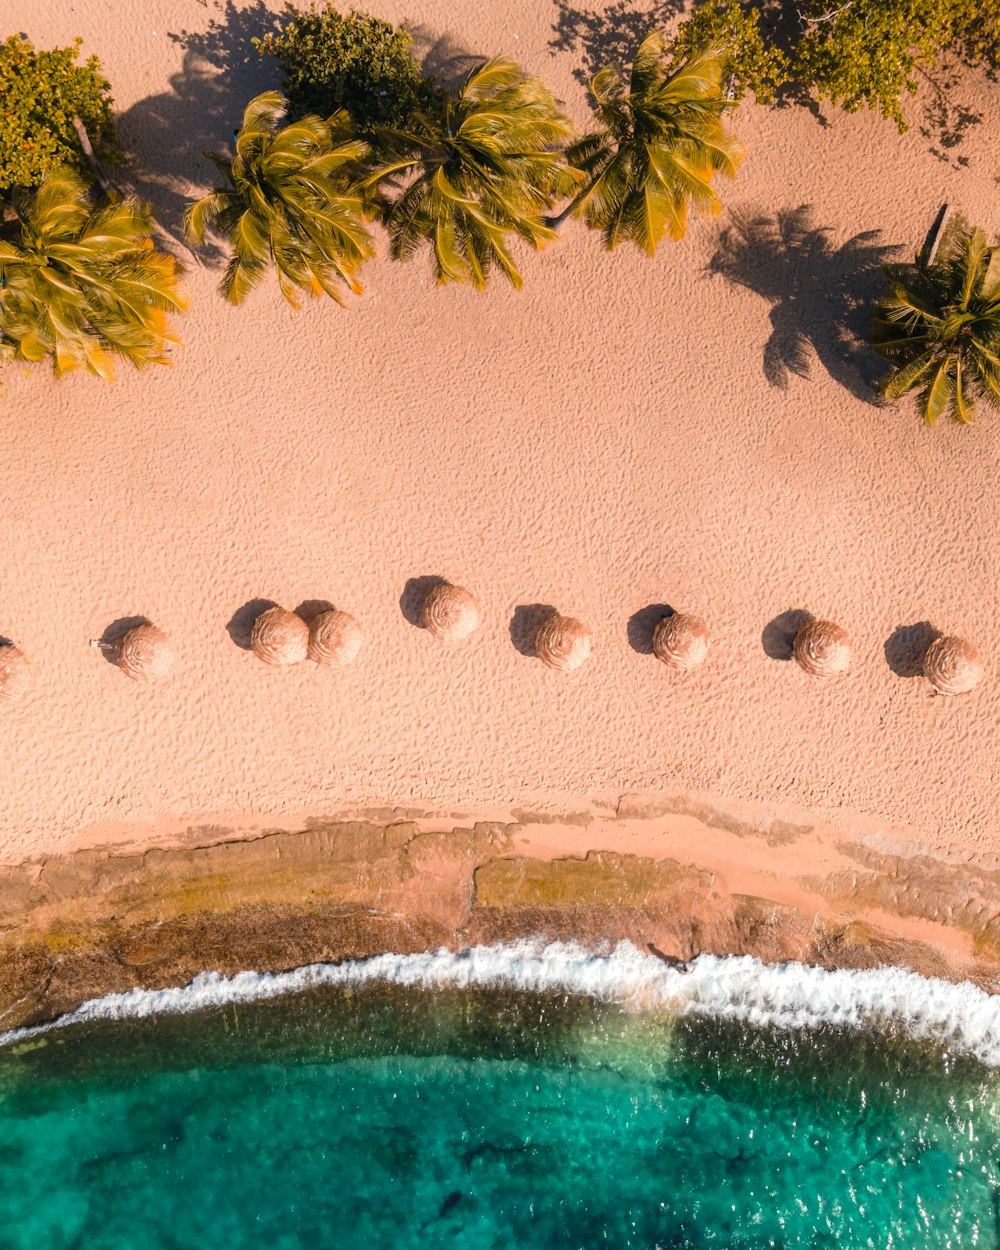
[906, 647]
[108, 642]
[778, 637]
[524, 625]
[240, 626]
[642, 625]
[415, 592]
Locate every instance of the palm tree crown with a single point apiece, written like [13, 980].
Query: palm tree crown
[939, 325]
[660, 144]
[485, 167]
[291, 202]
[84, 284]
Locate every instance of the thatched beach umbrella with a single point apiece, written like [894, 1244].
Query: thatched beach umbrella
[952, 665]
[681, 641]
[279, 637]
[562, 642]
[823, 649]
[335, 638]
[450, 612]
[14, 672]
[144, 653]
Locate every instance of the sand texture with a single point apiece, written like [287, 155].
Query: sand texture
[695, 431]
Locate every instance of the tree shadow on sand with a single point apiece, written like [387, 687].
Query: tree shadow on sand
[608, 35]
[165, 135]
[820, 295]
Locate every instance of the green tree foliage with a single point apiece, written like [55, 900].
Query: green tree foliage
[40, 94]
[939, 325]
[855, 53]
[358, 63]
[660, 144]
[485, 166]
[291, 202]
[81, 284]
[754, 60]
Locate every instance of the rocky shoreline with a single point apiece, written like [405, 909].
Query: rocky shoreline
[97, 922]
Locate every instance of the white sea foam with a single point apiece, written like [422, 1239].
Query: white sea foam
[959, 1016]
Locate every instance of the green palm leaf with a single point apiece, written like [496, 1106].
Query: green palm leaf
[659, 147]
[294, 201]
[487, 167]
[939, 326]
[83, 284]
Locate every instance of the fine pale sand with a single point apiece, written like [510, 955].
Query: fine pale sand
[693, 431]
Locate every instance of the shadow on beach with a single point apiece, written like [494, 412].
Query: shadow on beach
[166, 134]
[906, 647]
[820, 295]
[642, 625]
[115, 632]
[779, 633]
[240, 626]
[416, 590]
[524, 625]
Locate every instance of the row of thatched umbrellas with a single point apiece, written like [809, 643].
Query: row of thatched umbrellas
[451, 613]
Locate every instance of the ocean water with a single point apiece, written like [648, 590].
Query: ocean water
[514, 1097]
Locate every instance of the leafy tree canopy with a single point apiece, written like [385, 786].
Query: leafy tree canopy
[358, 63]
[41, 93]
[853, 53]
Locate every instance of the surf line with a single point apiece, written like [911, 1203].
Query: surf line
[729, 987]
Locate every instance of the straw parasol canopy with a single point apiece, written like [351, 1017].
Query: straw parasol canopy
[823, 649]
[335, 638]
[14, 672]
[279, 637]
[681, 641]
[562, 642]
[450, 612]
[951, 665]
[145, 653]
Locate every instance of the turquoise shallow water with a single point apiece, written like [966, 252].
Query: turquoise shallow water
[391, 1117]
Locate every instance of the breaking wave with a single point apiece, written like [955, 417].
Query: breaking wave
[789, 995]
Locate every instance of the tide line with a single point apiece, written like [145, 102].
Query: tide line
[737, 987]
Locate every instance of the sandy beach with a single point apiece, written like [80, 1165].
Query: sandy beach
[696, 431]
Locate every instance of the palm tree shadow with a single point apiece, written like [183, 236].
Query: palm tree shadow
[820, 294]
[607, 36]
[442, 60]
[166, 134]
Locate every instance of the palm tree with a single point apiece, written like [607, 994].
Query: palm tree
[939, 325]
[660, 144]
[291, 202]
[483, 168]
[83, 284]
